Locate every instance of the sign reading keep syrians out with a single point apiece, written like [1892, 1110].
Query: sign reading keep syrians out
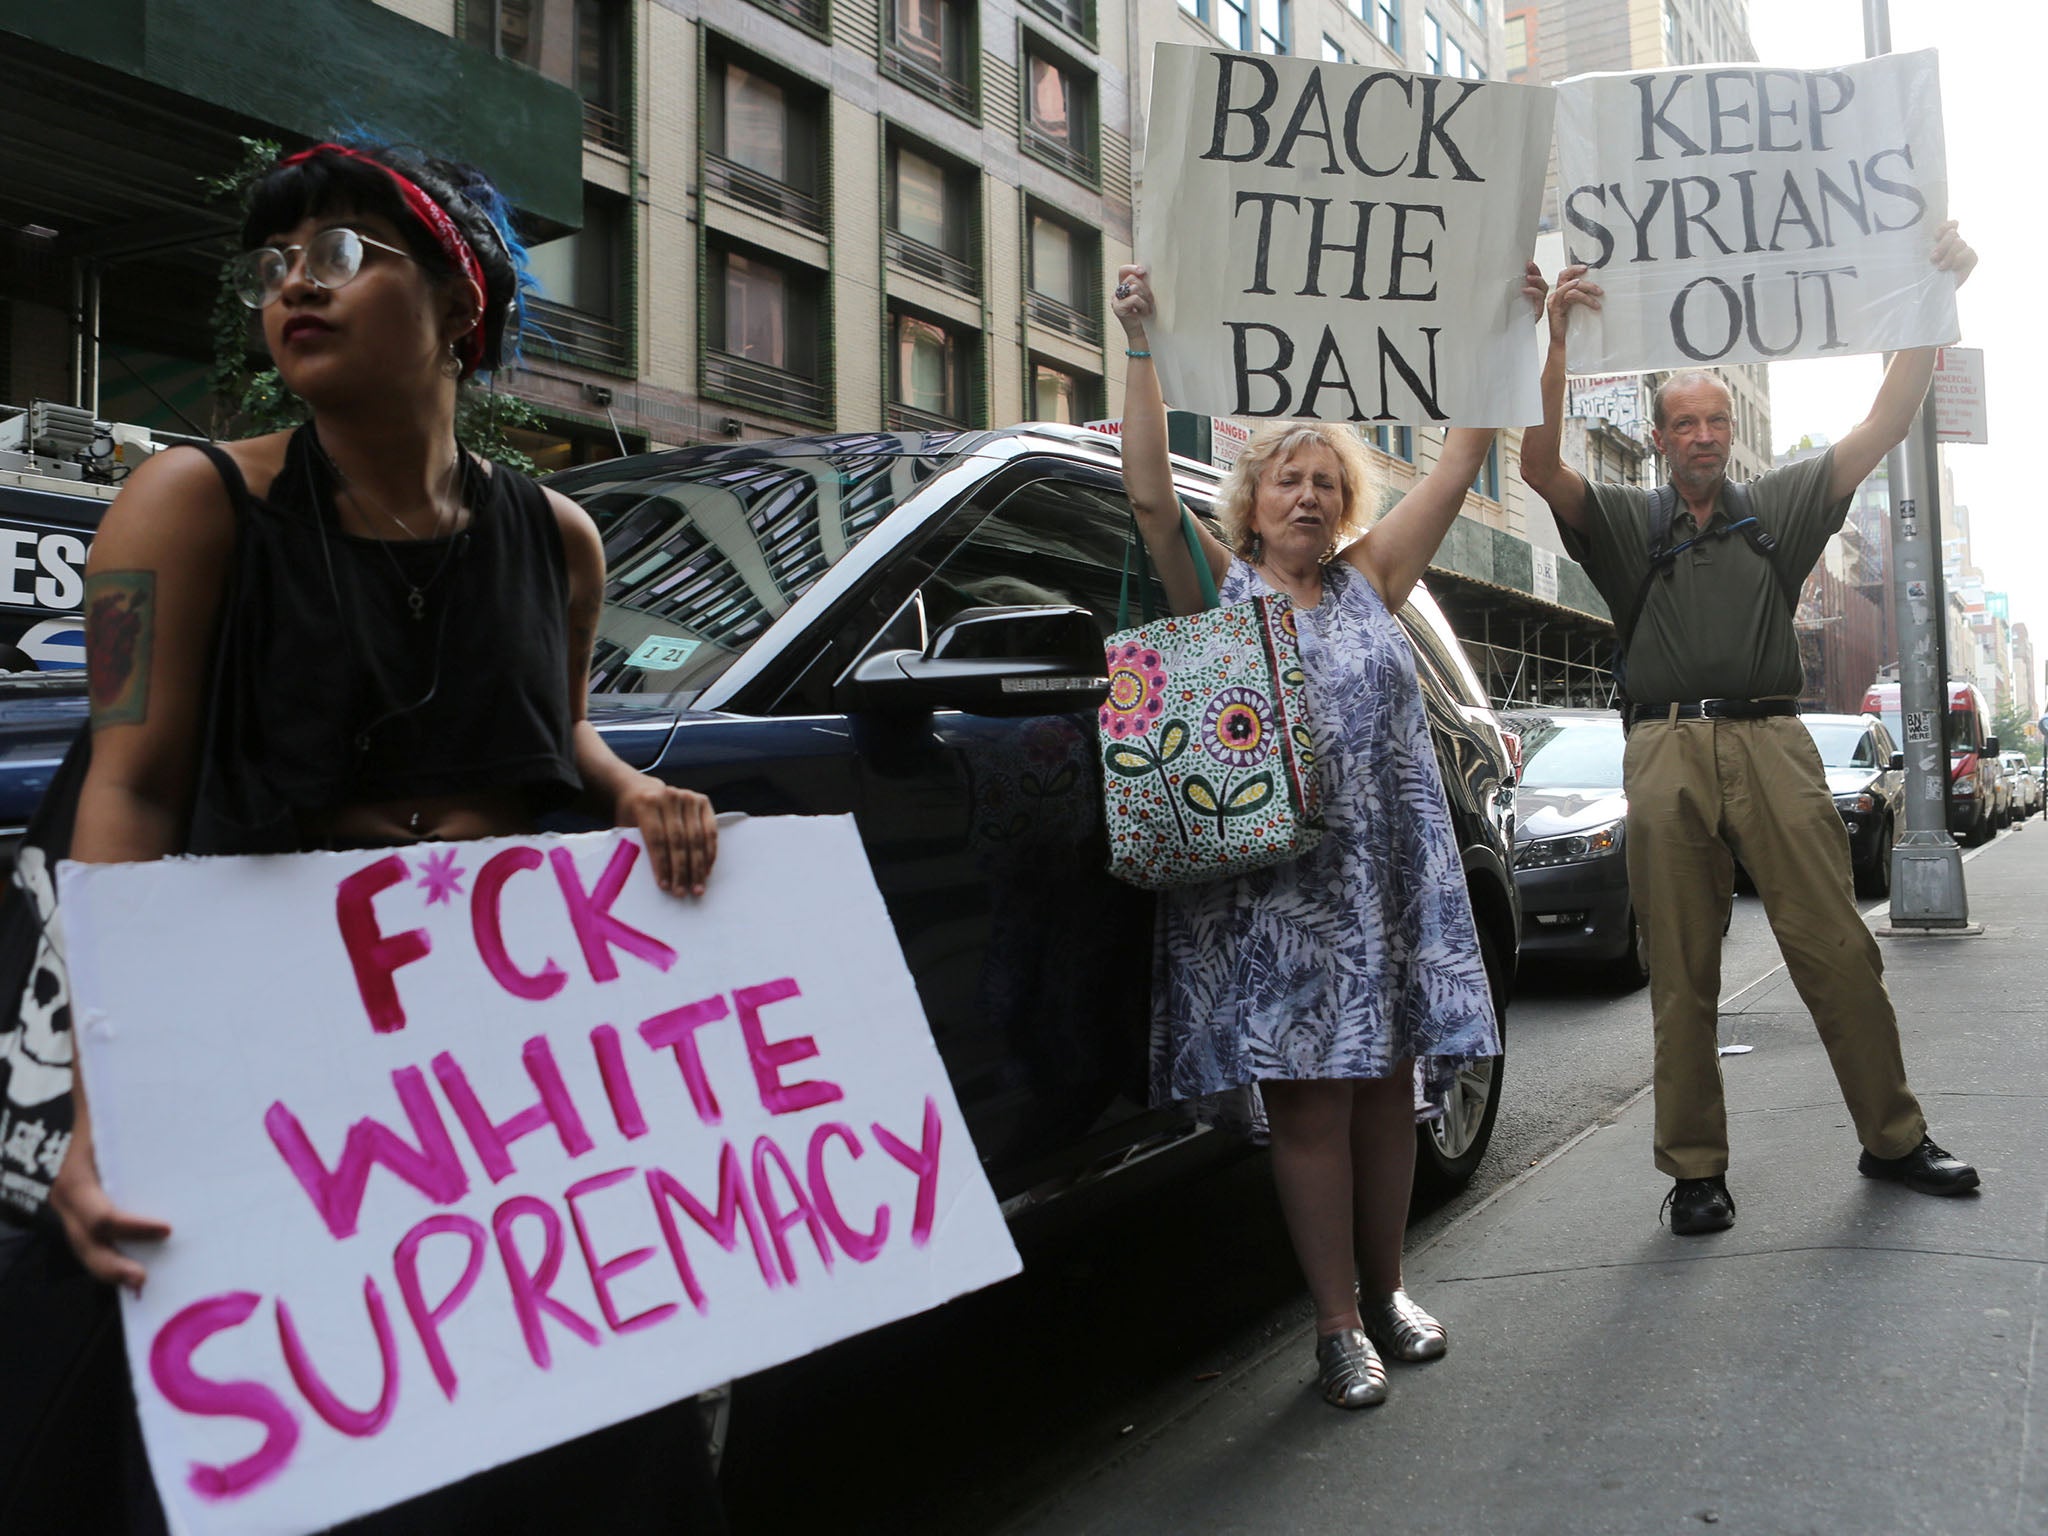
[1341, 243]
[1744, 215]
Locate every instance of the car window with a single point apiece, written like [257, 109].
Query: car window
[1053, 540]
[1572, 754]
[700, 561]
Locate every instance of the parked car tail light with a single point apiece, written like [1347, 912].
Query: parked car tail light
[1574, 848]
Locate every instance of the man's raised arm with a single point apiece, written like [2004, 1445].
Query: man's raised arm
[1905, 386]
[1543, 471]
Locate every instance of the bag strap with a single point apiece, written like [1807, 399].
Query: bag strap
[1204, 577]
[1663, 509]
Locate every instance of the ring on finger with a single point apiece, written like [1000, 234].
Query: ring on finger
[1123, 290]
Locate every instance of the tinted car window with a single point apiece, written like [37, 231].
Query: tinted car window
[700, 561]
[1842, 746]
[1051, 541]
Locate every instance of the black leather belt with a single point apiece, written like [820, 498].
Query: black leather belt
[1716, 709]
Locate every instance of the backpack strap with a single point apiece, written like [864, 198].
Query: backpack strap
[1736, 494]
[1663, 510]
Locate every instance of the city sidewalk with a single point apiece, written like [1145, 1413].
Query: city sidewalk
[1850, 1358]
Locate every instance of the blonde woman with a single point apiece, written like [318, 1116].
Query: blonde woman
[1310, 989]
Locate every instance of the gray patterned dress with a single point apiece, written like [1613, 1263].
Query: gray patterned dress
[1357, 955]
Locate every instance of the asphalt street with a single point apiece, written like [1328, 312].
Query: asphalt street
[1127, 1321]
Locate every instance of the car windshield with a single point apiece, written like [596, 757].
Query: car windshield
[700, 558]
[1572, 754]
[1841, 745]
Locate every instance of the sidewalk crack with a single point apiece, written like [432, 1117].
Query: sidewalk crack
[2035, 1262]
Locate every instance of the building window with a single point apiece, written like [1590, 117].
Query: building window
[928, 45]
[1487, 482]
[763, 324]
[1059, 112]
[1276, 26]
[1385, 16]
[1432, 43]
[764, 141]
[1671, 33]
[932, 217]
[1230, 20]
[1333, 51]
[577, 314]
[931, 371]
[1476, 9]
[1397, 441]
[1453, 59]
[1060, 276]
[588, 58]
[1074, 15]
[1059, 393]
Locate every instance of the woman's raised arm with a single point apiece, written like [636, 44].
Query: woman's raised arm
[1148, 473]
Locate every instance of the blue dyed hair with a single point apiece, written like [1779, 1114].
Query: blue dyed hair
[331, 183]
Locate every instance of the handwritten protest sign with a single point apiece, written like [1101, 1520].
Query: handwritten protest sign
[1341, 243]
[1745, 214]
[469, 1149]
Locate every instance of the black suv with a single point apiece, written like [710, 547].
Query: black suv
[909, 628]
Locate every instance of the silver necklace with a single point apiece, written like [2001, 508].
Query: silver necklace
[415, 592]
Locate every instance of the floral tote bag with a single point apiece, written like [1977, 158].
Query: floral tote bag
[1208, 768]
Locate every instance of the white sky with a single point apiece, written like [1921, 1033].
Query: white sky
[1991, 52]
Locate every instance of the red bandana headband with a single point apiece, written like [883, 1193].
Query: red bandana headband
[454, 244]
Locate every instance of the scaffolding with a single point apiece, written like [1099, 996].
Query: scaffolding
[1529, 653]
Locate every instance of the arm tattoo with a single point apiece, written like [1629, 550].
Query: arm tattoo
[120, 633]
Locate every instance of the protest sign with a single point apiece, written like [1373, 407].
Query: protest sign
[468, 1149]
[1745, 215]
[1341, 243]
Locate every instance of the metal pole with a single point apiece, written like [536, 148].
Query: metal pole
[1927, 867]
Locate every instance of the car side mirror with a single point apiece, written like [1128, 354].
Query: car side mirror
[1898, 762]
[1026, 660]
[1991, 746]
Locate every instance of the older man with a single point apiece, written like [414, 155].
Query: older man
[1718, 766]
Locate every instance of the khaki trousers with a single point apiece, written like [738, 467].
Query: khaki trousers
[1700, 793]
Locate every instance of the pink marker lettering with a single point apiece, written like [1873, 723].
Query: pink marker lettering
[530, 1295]
[432, 1167]
[858, 1245]
[769, 1057]
[618, 1082]
[492, 1141]
[426, 1320]
[601, 1273]
[677, 1030]
[590, 911]
[922, 1161]
[170, 1367]
[735, 1203]
[374, 954]
[800, 1210]
[336, 1413]
[486, 923]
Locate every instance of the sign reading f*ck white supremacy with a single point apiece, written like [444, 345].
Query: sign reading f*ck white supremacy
[1341, 243]
[1744, 214]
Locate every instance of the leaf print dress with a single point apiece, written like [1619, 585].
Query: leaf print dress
[1362, 952]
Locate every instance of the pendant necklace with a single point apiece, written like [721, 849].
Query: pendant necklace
[415, 592]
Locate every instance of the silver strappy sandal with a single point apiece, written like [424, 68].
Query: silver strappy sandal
[1352, 1375]
[1402, 1329]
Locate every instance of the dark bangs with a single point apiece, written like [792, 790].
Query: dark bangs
[329, 185]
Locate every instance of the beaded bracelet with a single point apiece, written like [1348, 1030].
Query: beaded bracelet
[1129, 353]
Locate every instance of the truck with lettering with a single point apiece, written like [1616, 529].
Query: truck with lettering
[1976, 806]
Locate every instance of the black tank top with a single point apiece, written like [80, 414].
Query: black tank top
[333, 686]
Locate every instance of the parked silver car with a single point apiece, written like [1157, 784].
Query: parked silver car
[2023, 784]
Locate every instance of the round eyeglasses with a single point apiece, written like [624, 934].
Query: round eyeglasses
[333, 258]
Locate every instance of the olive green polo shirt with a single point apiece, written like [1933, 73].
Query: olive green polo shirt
[1714, 624]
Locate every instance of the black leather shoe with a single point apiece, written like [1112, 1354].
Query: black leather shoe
[1926, 1168]
[1700, 1205]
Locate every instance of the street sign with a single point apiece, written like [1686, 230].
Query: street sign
[1958, 395]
